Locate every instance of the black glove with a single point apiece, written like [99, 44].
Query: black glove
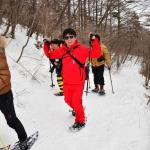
[100, 59]
[47, 42]
[91, 36]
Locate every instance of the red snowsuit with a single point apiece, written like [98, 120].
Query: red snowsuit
[73, 75]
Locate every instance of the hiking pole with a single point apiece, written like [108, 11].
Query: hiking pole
[88, 67]
[111, 81]
[87, 82]
[87, 75]
[52, 85]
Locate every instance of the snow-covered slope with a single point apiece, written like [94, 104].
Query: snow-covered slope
[117, 121]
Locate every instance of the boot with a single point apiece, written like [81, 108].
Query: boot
[77, 126]
[96, 90]
[102, 91]
[59, 94]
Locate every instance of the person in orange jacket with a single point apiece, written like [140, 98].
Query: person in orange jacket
[74, 56]
[6, 95]
[98, 68]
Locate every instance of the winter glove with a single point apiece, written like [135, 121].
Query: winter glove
[92, 36]
[100, 59]
[47, 42]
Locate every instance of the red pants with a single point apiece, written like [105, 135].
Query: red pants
[73, 97]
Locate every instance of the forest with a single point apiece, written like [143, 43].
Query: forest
[124, 25]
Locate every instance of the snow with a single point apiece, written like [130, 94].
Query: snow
[118, 121]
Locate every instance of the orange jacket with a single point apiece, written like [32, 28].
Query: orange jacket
[106, 55]
[5, 84]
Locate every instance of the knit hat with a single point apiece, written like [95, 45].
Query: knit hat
[54, 41]
[69, 31]
[97, 36]
[57, 41]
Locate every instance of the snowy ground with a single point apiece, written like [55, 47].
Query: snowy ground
[117, 121]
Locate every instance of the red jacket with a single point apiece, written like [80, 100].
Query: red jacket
[72, 73]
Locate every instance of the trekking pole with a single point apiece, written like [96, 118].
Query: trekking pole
[87, 86]
[111, 81]
[88, 68]
[52, 83]
[87, 76]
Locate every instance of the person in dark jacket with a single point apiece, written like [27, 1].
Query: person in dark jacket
[6, 95]
[74, 56]
[57, 63]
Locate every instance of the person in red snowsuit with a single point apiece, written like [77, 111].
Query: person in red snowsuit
[73, 74]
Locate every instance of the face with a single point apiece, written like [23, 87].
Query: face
[69, 39]
[54, 46]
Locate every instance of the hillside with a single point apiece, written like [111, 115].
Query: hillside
[118, 121]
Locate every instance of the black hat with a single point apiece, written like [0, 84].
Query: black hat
[55, 41]
[97, 36]
[69, 31]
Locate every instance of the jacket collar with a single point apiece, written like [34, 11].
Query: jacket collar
[73, 46]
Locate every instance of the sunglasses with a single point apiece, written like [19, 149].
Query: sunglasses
[68, 37]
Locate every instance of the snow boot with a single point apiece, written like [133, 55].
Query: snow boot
[77, 126]
[102, 91]
[59, 94]
[96, 90]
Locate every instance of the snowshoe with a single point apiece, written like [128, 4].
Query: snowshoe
[77, 127]
[59, 94]
[27, 144]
